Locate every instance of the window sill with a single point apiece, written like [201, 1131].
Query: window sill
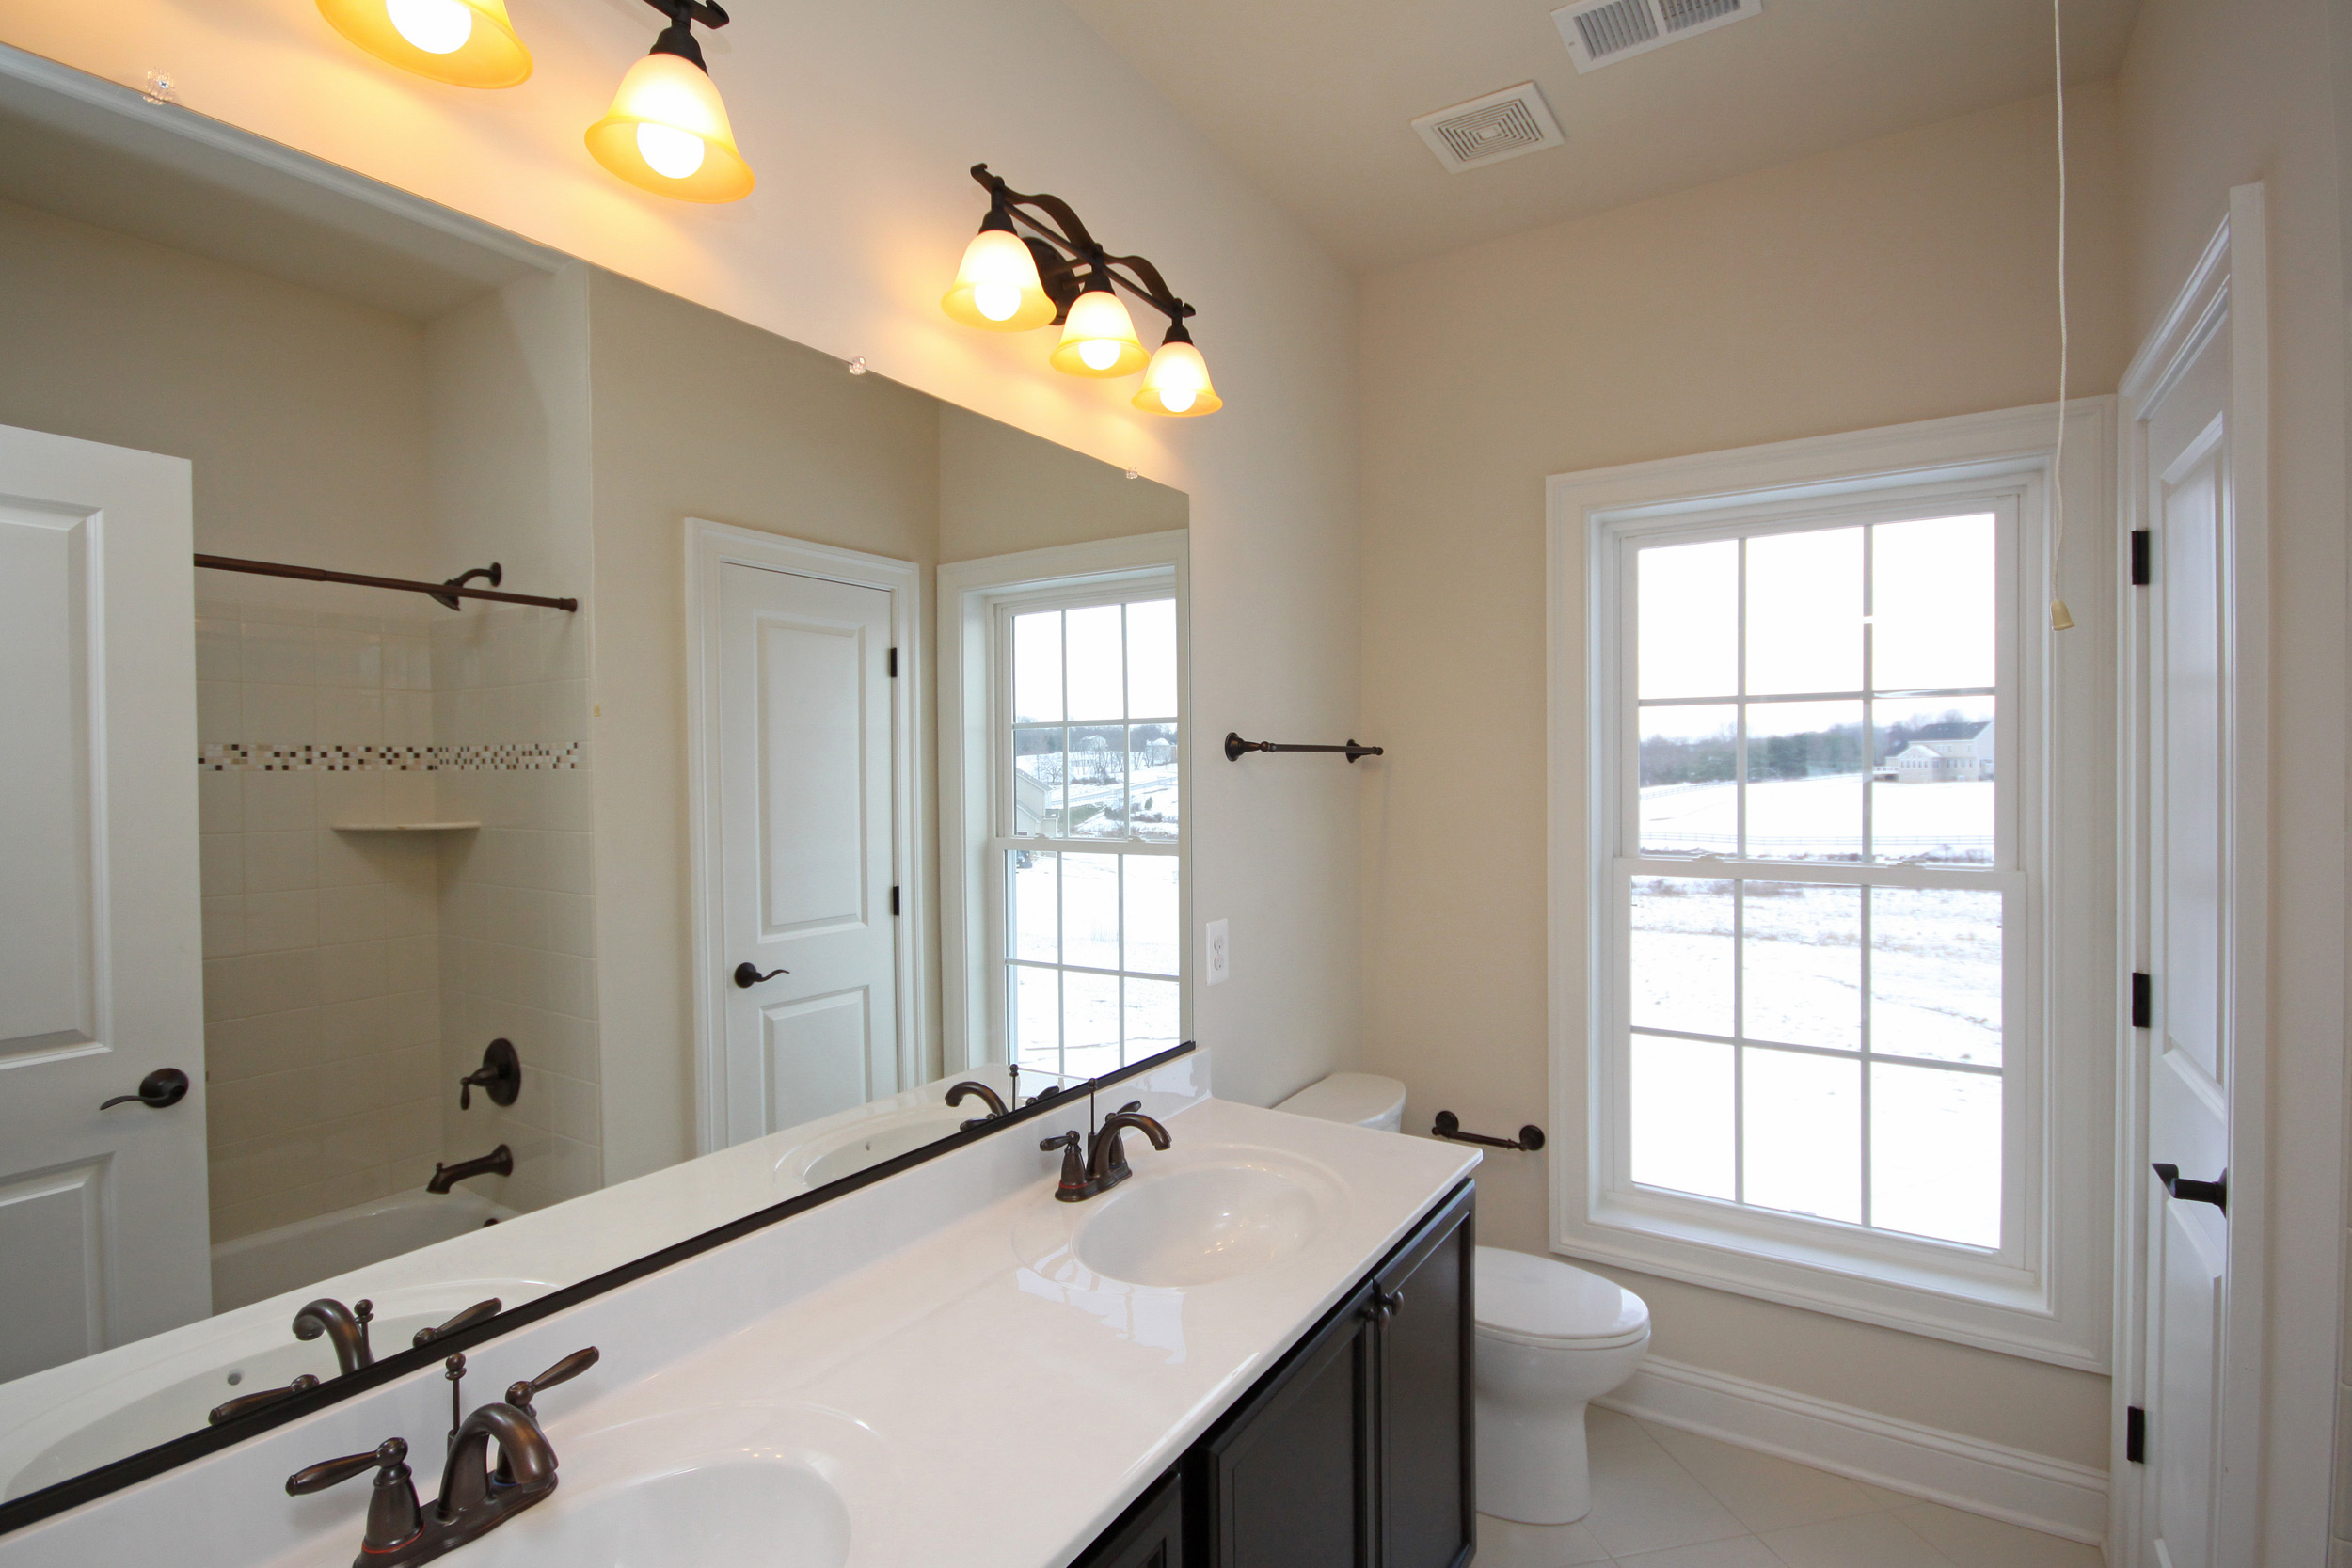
[1954, 1294]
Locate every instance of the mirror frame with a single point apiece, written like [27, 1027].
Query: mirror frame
[91, 1484]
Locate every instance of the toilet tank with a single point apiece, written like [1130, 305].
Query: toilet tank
[1365, 1099]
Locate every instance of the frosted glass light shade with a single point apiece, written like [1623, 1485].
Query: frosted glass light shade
[671, 98]
[1099, 338]
[468, 43]
[1178, 382]
[997, 289]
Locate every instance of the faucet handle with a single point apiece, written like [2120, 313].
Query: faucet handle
[521, 1394]
[246, 1405]
[393, 1518]
[392, 1452]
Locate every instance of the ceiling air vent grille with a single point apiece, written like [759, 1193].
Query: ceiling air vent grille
[1490, 129]
[1602, 32]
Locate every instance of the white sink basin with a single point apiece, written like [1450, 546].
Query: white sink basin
[722, 1486]
[734, 1512]
[1203, 1220]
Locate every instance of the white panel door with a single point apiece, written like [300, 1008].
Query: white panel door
[103, 1231]
[804, 803]
[2186, 839]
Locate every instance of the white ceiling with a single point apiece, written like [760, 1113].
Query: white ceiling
[1315, 97]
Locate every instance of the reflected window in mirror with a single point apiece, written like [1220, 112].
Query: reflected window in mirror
[1075, 935]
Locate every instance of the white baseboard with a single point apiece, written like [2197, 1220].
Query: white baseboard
[2034, 1490]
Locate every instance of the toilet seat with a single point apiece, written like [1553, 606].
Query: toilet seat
[1527, 1299]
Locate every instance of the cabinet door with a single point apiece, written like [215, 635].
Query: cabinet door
[1151, 1534]
[1286, 1480]
[1425, 1409]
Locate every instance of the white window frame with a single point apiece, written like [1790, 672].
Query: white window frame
[2045, 1293]
[975, 726]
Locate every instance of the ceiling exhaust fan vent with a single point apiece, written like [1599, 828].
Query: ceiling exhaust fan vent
[1490, 129]
[1602, 32]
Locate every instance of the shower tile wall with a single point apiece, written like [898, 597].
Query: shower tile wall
[518, 955]
[321, 954]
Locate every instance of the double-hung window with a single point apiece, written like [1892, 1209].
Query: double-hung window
[1063, 806]
[1817, 1020]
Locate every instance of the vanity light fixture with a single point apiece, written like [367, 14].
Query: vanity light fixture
[667, 130]
[1059, 273]
[467, 43]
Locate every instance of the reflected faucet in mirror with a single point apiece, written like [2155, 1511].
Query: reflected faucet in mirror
[481, 1311]
[972, 1088]
[346, 1327]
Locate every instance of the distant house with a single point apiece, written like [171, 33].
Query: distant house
[1943, 754]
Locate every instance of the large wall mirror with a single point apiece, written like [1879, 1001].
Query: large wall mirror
[430, 952]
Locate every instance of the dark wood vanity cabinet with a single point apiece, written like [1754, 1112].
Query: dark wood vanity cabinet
[1355, 1451]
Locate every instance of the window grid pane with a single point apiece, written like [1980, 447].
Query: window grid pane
[1089, 980]
[1797, 1105]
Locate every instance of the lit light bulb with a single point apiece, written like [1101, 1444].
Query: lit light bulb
[996, 301]
[1098, 338]
[436, 26]
[1177, 380]
[673, 153]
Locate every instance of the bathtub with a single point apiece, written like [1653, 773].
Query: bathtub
[270, 1262]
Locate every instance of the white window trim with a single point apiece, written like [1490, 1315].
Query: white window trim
[709, 547]
[969, 758]
[2047, 1298]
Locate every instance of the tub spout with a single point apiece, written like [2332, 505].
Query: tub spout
[498, 1162]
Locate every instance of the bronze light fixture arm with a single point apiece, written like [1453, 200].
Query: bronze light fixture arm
[1062, 250]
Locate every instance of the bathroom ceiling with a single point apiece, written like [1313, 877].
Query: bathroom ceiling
[1315, 97]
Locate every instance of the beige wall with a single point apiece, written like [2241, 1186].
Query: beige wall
[1903, 279]
[1003, 490]
[2213, 96]
[699, 416]
[854, 231]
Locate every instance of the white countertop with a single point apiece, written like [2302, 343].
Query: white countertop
[928, 1344]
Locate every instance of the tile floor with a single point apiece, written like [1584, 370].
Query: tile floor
[1664, 1498]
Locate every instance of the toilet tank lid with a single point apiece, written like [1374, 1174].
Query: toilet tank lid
[1354, 1097]
[1541, 1298]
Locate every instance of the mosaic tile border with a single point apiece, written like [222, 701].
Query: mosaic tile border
[488, 756]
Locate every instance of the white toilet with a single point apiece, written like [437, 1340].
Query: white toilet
[1365, 1099]
[1550, 1339]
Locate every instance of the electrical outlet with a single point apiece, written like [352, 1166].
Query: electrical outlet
[1221, 953]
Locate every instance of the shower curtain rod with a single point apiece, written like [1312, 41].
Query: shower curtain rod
[446, 592]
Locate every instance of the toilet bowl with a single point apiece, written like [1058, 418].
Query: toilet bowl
[1364, 1098]
[1550, 1339]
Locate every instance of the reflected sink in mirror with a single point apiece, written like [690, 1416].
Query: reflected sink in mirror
[855, 1148]
[155, 1403]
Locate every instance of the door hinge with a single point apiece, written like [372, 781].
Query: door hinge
[2136, 1434]
[2140, 577]
[894, 900]
[893, 664]
[2143, 1001]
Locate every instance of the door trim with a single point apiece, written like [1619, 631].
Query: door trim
[708, 547]
[2228, 285]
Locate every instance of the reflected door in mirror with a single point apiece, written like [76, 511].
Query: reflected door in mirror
[103, 1223]
[804, 711]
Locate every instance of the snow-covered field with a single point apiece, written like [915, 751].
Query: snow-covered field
[1934, 992]
[1821, 818]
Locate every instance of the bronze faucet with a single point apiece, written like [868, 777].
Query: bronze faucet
[498, 1162]
[1105, 1165]
[346, 1327]
[473, 1499]
[972, 1089]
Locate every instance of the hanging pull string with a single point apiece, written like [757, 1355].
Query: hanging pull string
[2061, 619]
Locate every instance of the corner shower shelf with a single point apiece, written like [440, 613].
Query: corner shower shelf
[405, 826]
